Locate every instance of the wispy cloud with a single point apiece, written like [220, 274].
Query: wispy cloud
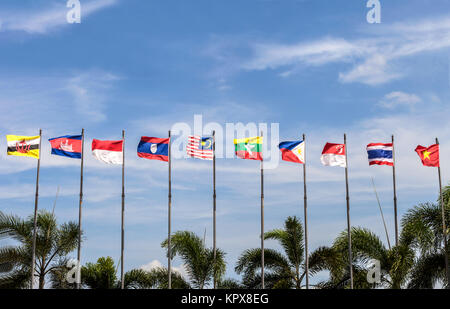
[373, 59]
[398, 98]
[48, 18]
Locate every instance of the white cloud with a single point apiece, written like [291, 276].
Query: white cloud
[157, 264]
[48, 19]
[374, 58]
[398, 98]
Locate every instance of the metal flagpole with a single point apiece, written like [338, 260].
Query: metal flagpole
[350, 257]
[443, 223]
[306, 217]
[169, 223]
[381, 212]
[78, 277]
[395, 193]
[33, 254]
[262, 218]
[214, 205]
[123, 211]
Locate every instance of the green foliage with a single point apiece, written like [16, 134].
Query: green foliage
[198, 260]
[101, 275]
[53, 243]
[282, 271]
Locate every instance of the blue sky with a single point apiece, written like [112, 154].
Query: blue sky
[313, 67]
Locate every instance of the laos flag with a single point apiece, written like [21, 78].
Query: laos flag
[67, 146]
[293, 151]
[154, 148]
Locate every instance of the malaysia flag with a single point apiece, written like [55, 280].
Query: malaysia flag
[154, 148]
[380, 154]
[293, 151]
[110, 152]
[67, 146]
[334, 155]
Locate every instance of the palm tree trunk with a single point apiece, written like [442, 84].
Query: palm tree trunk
[41, 281]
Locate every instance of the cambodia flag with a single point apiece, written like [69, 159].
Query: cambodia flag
[154, 148]
[67, 146]
[293, 151]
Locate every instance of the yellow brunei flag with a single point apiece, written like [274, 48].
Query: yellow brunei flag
[24, 146]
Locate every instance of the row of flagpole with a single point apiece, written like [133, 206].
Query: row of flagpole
[350, 254]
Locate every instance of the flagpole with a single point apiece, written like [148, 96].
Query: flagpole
[78, 278]
[36, 199]
[169, 217]
[443, 224]
[395, 192]
[262, 218]
[214, 205]
[123, 212]
[306, 217]
[350, 258]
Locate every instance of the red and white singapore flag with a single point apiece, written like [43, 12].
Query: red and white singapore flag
[110, 152]
[333, 155]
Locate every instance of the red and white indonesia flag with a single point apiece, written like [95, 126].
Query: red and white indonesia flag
[333, 155]
[110, 152]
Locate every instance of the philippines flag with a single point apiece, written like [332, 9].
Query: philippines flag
[293, 151]
[110, 152]
[154, 148]
[334, 155]
[67, 146]
[380, 154]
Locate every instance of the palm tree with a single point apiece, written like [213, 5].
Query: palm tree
[283, 271]
[100, 275]
[395, 263]
[198, 260]
[423, 228]
[156, 278]
[53, 243]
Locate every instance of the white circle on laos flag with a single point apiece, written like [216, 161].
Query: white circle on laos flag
[153, 148]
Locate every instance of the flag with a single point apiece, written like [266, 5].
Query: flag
[333, 155]
[24, 146]
[429, 156]
[110, 152]
[200, 147]
[67, 146]
[380, 154]
[154, 148]
[293, 151]
[249, 148]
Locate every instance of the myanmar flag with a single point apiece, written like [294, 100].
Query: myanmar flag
[429, 156]
[249, 148]
[24, 146]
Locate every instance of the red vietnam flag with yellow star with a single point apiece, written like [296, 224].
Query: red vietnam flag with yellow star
[430, 155]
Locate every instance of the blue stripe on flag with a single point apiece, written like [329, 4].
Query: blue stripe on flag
[379, 153]
[58, 152]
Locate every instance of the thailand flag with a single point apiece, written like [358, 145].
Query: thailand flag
[380, 154]
[110, 152]
[154, 148]
[67, 146]
[293, 151]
